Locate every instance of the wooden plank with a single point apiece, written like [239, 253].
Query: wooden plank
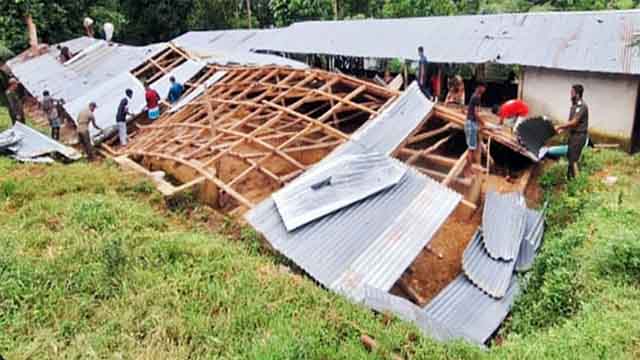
[457, 169]
[429, 134]
[327, 128]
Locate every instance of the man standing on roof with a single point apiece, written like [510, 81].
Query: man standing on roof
[86, 118]
[514, 111]
[578, 126]
[175, 91]
[121, 117]
[50, 108]
[16, 110]
[423, 79]
[153, 102]
[472, 126]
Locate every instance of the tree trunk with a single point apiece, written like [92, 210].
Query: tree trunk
[33, 33]
[335, 9]
[249, 13]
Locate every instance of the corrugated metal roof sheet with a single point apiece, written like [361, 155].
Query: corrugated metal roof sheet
[406, 114]
[583, 41]
[533, 133]
[343, 182]
[247, 58]
[182, 73]
[370, 242]
[383, 301]
[532, 240]
[34, 144]
[211, 43]
[84, 73]
[491, 276]
[503, 220]
[108, 96]
[461, 305]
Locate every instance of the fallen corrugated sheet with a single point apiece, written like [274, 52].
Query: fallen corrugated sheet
[108, 96]
[182, 74]
[533, 133]
[197, 91]
[385, 302]
[491, 276]
[503, 220]
[34, 145]
[599, 41]
[406, 114]
[343, 182]
[532, 240]
[370, 242]
[461, 305]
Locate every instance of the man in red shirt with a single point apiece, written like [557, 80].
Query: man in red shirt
[513, 111]
[153, 102]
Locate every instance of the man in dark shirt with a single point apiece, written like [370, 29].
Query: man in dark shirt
[121, 117]
[578, 126]
[423, 79]
[472, 126]
[16, 110]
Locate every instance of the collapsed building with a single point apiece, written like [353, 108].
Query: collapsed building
[353, 181]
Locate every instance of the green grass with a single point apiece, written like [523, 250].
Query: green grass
[93, 265]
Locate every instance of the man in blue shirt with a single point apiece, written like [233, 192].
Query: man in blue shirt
[423, 79]
[175, 91]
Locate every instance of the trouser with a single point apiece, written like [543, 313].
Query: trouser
[55, 133]
[122, 133]
[85, 141]
[425, 90]
[576, 143]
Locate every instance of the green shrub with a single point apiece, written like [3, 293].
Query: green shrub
[95, 214]
[620, 258]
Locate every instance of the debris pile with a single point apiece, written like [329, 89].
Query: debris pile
[28, 145]
[474, 305]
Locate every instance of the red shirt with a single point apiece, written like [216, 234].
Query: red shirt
[152, 98]
[513, 108]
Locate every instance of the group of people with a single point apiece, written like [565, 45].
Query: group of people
[51, 107]
[511, 114]
[152, 109]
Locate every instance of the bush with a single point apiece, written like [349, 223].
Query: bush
[620, 259]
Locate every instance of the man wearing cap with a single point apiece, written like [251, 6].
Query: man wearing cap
[86, 118]
[16, 111]
[121, 116]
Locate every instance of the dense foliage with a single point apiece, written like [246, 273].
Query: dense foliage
[145, 21]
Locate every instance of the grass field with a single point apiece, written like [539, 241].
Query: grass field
[94, 265]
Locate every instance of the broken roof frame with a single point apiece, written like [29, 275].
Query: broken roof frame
[258, 116]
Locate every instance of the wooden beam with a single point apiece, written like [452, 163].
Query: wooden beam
[429, 134]
[457, 169]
